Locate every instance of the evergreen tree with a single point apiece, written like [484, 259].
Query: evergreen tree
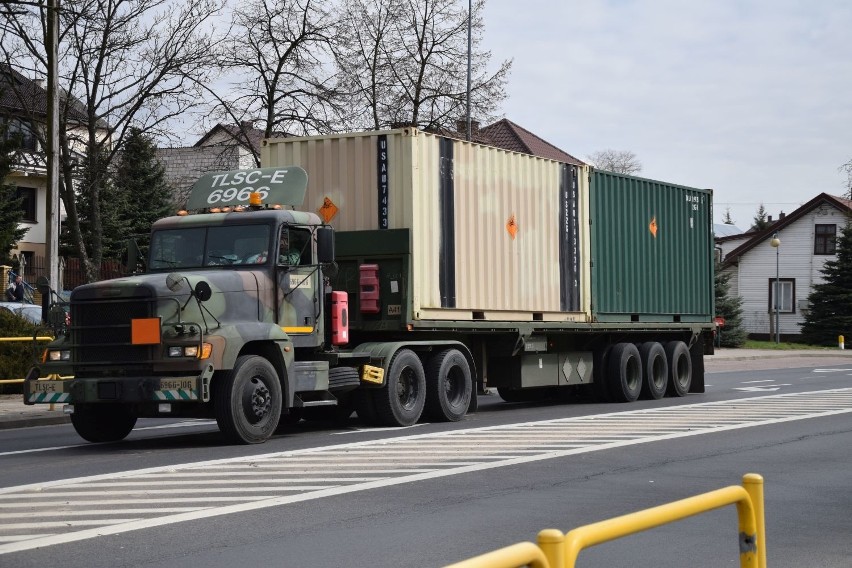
[140, 182]
[830, 310]
[11, 212]
[730, 308]
[727, 218]
[760, 222]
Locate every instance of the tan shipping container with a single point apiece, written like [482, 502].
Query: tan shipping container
[495, 235]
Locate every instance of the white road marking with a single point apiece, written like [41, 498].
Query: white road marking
[761, 381]
[830, 370]
[315, 473]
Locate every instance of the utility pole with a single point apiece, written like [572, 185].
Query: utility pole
[469, 44]
[52, 48]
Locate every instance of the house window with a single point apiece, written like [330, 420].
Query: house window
[787, 296]
[17, 127]
[28, 194]
[825, 239]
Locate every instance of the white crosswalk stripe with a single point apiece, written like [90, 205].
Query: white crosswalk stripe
[68, 510]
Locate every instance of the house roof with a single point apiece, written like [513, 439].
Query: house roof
[507, 135]
[15, 89]
[840, 203]
[723, 230]
[245, 134]
[510, 136]
[21, 95]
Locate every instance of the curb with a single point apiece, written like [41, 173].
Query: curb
[31, 421]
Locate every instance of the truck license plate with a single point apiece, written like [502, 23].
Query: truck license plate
[176, 384]
[46, 386]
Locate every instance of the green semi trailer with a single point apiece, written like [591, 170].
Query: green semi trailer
[256, 314]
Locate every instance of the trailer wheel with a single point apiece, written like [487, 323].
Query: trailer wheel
[624, 372]
[448, 386]
[248, 401]
[655, 370]
[400, 402]
[680, 368]
[103, 423]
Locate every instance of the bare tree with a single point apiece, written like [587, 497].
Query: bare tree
[279, 68]
[847, 169]
[618, 161]
[406, 60]
[123, 64]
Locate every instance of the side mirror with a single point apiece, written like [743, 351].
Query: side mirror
[325, 245]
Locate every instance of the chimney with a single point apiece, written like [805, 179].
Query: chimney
[781, 215]
[461, 126]
[247, 124]
[769, 218]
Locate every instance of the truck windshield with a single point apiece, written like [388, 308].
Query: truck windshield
[196, 247]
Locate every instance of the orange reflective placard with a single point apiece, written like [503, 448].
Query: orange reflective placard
[145, 331]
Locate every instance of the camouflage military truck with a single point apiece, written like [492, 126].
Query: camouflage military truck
[256, 314]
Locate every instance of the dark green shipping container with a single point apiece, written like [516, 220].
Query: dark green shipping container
[652, 250]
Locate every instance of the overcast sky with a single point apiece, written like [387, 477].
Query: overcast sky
[750, 98]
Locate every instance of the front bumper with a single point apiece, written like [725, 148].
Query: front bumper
[80, 390]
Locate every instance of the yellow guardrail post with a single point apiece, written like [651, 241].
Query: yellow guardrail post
[515, 556]
[753, 484]
[552, 543]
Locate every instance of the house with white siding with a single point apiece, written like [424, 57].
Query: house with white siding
[807, 239]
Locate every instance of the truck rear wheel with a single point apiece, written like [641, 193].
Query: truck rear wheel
[400, 402]
[680, 368]
[448, 386]
[624, 372]
[248, 400]
[103, 423]
[655, 370]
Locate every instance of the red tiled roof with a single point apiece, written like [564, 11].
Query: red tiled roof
[510, 136]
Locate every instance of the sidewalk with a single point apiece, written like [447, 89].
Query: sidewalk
[15, 414]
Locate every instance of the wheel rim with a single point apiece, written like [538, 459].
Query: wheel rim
[407, 388]
[454, 385]
[633, 374]
[682, 372]
[257, 400]
[659, 376]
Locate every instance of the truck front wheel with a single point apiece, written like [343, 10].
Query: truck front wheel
[248, 400]
[448, 386]
[400, 402]
[103, 423]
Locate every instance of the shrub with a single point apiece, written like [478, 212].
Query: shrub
[16, 358]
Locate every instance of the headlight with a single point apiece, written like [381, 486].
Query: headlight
[59, 355]
[202, 351]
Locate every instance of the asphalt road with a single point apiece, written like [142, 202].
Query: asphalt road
[438, 493]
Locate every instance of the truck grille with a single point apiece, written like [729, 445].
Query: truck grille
[100, 330]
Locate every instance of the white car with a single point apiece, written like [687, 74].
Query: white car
[30, 312]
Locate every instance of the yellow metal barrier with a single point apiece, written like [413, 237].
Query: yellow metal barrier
[561, 551]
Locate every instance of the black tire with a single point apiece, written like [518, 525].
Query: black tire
[343, 379]
[248, 401]
[655, 370]
[624, 372]
[448, 386]
[600, 389]
[400, 402]
[103, 423]
[680, 368]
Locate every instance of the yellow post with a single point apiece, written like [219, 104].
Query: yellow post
[840, 342]
[552, 543]
[753, 484]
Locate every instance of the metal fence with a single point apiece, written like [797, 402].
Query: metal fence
[71, 270]
[557, 550]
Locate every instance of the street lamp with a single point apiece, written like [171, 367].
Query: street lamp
[776, 244]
